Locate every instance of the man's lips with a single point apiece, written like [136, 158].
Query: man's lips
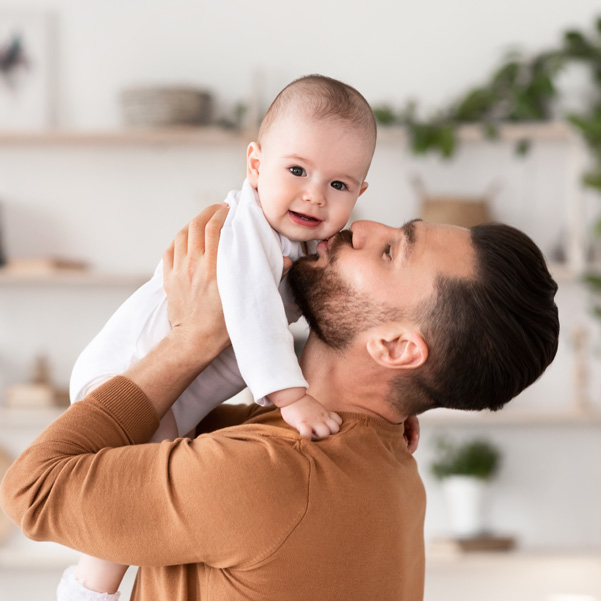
[333, 243]
[302, 219]
[323, 246]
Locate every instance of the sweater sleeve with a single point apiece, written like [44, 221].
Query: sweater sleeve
[225, 499]
[249, 269]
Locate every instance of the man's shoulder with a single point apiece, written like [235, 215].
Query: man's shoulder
[254, 435]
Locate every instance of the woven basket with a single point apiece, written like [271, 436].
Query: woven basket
[164, 107]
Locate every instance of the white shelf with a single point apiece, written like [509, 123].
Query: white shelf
[20, 552]
[449, 417]
[29, 418]
[72, 278]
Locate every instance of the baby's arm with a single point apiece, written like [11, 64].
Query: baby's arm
[305, 413]
[249, 269]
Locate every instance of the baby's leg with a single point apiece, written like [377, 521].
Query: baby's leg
[92, 579]
[95, 579]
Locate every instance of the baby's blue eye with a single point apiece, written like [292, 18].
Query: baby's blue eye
[339, 186]
[298, 171]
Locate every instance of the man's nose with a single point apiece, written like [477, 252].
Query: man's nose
[359, 229]
[364, 232]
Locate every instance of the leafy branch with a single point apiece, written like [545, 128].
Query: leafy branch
[521, 89]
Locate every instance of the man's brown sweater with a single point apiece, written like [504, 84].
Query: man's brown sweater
[248, 510]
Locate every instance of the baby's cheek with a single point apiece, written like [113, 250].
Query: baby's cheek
[338, 220]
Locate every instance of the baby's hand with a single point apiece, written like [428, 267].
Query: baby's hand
[310, 417]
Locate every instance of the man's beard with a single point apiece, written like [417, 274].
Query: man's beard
[335, 312]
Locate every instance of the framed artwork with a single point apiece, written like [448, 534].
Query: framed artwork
[27, 70]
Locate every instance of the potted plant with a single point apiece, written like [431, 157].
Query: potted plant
[465, 469]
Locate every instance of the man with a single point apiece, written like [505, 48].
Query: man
[402, 320]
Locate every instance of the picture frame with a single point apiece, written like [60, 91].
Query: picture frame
[27, 70]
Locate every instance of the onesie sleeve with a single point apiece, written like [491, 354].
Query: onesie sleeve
[131, 332]
[249, 269]
[137, 326]
[227, 499]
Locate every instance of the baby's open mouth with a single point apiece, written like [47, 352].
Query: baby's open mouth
[303, 219]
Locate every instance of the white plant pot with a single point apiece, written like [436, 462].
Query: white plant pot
[465, 497]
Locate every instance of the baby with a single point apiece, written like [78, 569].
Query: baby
[304, 175]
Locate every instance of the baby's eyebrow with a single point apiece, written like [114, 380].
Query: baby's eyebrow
[298, 158]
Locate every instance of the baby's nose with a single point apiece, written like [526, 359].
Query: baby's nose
[315, 196]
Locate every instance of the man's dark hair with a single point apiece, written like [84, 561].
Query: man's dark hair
[491, 336]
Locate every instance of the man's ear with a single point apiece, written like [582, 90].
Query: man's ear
[253, 163]
[397, 349]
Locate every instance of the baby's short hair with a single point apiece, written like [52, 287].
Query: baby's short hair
[323, 98]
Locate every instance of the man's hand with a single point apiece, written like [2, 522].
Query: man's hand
[190, 280]
[311, 418]
[199, 333]
[411, 434]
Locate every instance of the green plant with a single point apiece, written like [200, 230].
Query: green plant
[478, 458]
[521, 89]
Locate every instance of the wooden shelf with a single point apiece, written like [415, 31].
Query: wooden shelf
[549, 131]
[72, 278]
[40, 418]
[201, 136]
[192, 136]
[563, 273]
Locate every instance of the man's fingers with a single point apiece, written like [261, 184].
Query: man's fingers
[180, 247]
[197, 227]
[212, 233]
[412, 432]
[287, 266]
[168, 260]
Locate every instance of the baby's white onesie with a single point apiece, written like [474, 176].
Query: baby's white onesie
[257, 309]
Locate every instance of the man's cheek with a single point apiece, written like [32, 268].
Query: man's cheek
[358, 278]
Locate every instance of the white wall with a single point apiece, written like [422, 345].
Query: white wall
[391, 51]
[118, 208]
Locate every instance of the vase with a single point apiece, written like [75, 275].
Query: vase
[465, 498]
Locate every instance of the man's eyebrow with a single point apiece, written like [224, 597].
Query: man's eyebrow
[408, 231]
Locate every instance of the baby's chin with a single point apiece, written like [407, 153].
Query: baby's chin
[310, 234]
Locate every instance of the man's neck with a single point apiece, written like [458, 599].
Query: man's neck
[347, 381]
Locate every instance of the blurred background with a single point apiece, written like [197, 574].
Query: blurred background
[119, 121]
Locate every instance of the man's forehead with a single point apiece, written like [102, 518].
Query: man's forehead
[448, 245]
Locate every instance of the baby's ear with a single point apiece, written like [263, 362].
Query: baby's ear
[253, 163]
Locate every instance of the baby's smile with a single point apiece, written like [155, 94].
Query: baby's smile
[302, 219]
